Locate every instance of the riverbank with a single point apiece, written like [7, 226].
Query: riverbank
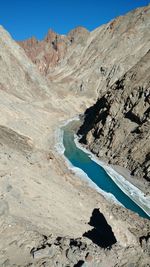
[141, 185]
[120, 180]
[121, 177]
[77, 171]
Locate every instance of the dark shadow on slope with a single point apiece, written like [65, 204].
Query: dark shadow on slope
[79, 264]
[102, 234]
[94, 114]
[132, 117]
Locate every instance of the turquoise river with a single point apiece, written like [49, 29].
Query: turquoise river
[95, 172]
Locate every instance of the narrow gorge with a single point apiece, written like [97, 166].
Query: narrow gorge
[51, 212]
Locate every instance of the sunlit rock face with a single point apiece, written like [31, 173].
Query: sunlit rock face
[87, 62]
[51, 51]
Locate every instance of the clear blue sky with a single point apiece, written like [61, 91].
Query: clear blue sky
[26, 18]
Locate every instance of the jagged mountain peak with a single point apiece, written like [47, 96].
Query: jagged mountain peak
[50, 36]
[88, 61]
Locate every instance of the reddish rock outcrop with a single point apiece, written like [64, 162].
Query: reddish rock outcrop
[46, 54]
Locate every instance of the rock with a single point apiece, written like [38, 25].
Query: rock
[89, 258]
[44, 252]
[119, 122]
[95, 59]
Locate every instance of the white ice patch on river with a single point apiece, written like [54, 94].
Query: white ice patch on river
[59, 146]
[79, 172]
[129, 189]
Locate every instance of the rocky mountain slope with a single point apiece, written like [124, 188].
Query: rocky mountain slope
[91, 62]
[48, 53]
[87, 62]
[31, 174]
[117, 127]
[49, 216]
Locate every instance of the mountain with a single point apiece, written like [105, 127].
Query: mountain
[88, 62]
[90, 65]
[47, 211]
[117, 127]
[48, 53]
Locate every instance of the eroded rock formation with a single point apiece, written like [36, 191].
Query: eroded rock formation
[87, 62]
[117, 127]
[51, 51]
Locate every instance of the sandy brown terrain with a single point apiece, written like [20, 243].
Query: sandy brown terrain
[45, 208]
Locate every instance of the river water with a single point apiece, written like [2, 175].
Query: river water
[80, 159]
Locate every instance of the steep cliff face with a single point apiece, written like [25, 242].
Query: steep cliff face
[87, 62]
[117, 127]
